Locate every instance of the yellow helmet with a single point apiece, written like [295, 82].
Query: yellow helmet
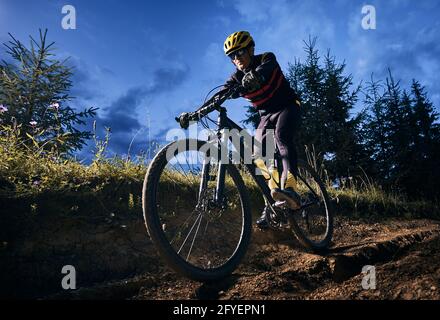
[238, 40]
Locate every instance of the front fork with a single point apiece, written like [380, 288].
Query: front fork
[218, 199]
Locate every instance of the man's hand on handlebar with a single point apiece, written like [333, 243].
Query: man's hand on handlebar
[183, 120]
[185, 117]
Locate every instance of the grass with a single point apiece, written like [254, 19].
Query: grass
[31, 174]
[372, 201]
[369, 201]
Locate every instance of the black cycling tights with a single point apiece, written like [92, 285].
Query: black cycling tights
[285, 124]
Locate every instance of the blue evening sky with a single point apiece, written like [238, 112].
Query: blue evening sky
[144, 62]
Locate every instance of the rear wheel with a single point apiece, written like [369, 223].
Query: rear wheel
[313, 224]
[199, 237]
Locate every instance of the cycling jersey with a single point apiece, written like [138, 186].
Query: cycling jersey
[275, 92]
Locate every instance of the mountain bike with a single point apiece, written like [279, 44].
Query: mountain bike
[196, 204]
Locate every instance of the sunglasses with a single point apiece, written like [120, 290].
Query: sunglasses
[234, 55]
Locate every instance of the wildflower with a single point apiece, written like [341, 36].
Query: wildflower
[36, 182]
[55, 105]
[33, 123]
[3, 108]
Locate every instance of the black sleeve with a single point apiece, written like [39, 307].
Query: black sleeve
[267, 66]
[231, 82]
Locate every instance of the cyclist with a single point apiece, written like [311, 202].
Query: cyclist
[278, 106]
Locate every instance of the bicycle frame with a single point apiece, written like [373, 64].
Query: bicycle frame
[223, 122]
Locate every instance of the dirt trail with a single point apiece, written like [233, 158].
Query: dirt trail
[406, 256]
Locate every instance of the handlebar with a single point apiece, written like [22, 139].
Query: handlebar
[212, 104]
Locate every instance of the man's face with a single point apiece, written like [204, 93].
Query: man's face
[242, 58]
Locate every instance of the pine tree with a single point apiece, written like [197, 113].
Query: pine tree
[307, 78]
[341, 129]
[426, 149]
[424, 115]
[327, 100]
[374, 129]
[34, 97]
[402, 136]
[398, 128]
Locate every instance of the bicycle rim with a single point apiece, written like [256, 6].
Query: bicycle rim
[198, 236]
[313, 224]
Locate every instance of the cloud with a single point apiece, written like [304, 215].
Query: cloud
[82, 81]
[410, 46]
[166, 79]
[87, 79]
[215, 61]
[121, 115]
[404, 43]
[255, 11]
[281, 26]
[221, 21]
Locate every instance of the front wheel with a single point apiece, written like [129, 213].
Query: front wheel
[198, 234]
[313, 223]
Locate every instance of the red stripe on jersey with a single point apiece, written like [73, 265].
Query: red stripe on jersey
[259, 102]
[266, 87]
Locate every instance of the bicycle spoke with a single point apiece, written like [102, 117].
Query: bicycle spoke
[183, 225]
[183, 244]
[194, 238]
[184, 176]
[206, 226]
